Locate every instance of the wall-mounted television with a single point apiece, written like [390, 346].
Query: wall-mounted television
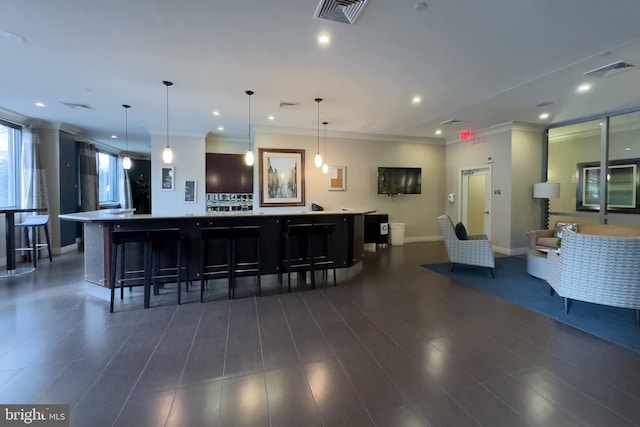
[394, 180]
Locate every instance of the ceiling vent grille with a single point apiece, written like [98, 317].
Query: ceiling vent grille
[451, 122]
[290, 105]
[345, 11]
[610, 69]
[75, 105]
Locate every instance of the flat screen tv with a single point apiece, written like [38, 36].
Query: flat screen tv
[399, 180]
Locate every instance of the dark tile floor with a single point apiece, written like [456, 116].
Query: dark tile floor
[398, 345]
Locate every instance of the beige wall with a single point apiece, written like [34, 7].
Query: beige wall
[362, 156]
[514, 153]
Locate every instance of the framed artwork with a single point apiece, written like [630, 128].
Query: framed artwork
[168, 179]
[623, 186]
[337, 178]
[281, 177]
[190, 188]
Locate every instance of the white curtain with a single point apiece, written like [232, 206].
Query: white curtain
[124, 192]
[33, 182]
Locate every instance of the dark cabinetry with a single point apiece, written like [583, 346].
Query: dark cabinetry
[228, 173]
[376, 229]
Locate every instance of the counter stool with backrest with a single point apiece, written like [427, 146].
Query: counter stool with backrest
[32, 222]
[297, 251]
[137, 274]
[163, 245]
[246, 260]
[215, 256]
[322, 249]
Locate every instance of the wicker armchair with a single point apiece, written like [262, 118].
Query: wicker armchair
[597, 269]
[477, 250]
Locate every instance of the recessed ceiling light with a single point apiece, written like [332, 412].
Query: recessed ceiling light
[324, 39]
[271, 118]
[39, 104]
[416, 99]
[627, 149]
[114, 136]
[585, 87]
[216, 112]
[544, 116]
[438, 131]
[220, 128]
[11, 37]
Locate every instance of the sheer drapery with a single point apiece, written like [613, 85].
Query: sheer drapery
[88, 177]
[124, 192]
[33, 182]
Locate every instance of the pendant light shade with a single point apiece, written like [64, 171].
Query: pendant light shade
[317, 160]
[167, 153]
[325, 166]
[126, 161]
[248, 157]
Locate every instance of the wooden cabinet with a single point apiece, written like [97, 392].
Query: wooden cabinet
[228, 173]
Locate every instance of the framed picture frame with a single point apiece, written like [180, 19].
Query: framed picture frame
[337, 178]
[281, 177]
[168, 179]
[622, 191]
[190, 191]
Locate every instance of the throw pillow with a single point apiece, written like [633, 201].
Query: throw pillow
[461, 231]
[562, 226]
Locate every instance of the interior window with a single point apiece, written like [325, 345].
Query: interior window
[107, 179]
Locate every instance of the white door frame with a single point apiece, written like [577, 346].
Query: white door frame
[462, 206]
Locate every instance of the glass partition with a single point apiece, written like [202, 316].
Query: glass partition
[575, 154]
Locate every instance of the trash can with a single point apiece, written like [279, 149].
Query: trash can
[397, 233]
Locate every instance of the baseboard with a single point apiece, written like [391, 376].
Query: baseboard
[66, 249]
[423, 239]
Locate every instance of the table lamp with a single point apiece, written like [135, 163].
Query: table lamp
[546, 190]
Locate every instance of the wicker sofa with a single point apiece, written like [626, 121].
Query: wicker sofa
[597, 268]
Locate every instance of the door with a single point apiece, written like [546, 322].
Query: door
[476, 200]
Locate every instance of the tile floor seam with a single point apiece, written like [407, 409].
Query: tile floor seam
[306, 377]
[342, 368]
[266, 393]
[155, 348]
[224, 361]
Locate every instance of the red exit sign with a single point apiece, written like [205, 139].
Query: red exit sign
[465, 135]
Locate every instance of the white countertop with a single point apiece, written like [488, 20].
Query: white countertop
[128, 214]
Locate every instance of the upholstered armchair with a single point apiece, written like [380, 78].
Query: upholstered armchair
[476, 250]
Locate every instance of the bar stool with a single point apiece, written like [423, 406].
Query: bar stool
[322, 249]
[215, 267]
[122, 278]
[243, 265]
[297, 251]
[162, 270]
[33, 221]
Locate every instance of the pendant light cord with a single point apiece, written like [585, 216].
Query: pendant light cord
[318, 100]
[167, 84]
[249, 92]
[325, 140]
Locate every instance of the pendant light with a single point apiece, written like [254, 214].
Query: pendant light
[167, 153]
[325, 167]
[126, 161]
[317, 160]
[248, 157]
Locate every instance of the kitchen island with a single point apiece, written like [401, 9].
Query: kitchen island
[348, 241]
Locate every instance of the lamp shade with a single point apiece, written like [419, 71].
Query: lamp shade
[546, 190]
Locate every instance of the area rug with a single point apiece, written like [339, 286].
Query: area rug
[514, 284]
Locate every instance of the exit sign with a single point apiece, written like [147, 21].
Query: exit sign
[465, 135]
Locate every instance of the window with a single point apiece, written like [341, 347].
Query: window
[107, 179]
[10, 140]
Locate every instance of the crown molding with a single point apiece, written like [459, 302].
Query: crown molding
[349, 135]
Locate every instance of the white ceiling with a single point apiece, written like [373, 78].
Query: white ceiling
[483, 62]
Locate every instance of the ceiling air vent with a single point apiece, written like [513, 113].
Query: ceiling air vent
[290, 105]
[345, 11]
[451, 122]
[75, 105]
[610, 70]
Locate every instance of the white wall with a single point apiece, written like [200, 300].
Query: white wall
[189, 164]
